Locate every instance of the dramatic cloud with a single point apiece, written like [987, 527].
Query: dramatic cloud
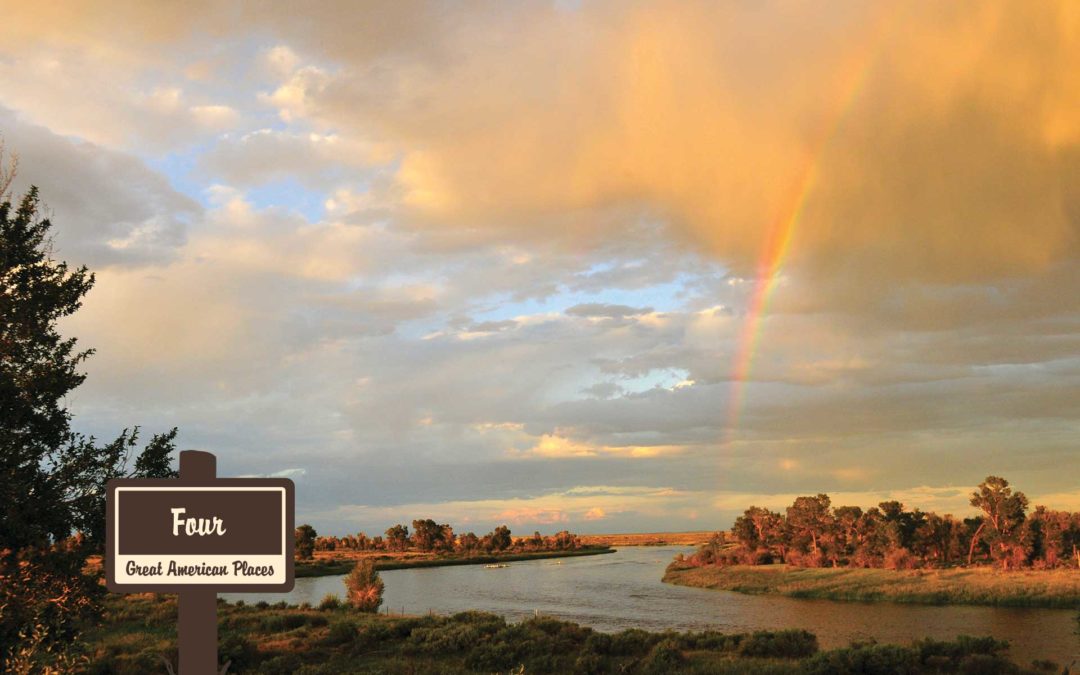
[466, 262]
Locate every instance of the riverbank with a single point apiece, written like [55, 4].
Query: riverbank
[137, 631]
[968, 586]
[325, 565]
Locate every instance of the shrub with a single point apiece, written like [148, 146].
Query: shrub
[489, 656]
[590, 664]
[785, 644]
[279, 623]
[329, 601]
[631, 642]
[374, 633]
[285, 664]
[364, 587]
[900, 559]
[341, 632]
[665, 657]
[240, 652]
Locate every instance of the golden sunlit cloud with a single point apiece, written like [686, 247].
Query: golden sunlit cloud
[783, 247]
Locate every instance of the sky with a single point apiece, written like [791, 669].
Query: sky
[604, 266]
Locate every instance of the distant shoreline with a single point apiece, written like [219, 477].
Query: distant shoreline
[693, 538]
[332, 566]
[1055, 589]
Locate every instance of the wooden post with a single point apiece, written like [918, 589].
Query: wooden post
[197, 629]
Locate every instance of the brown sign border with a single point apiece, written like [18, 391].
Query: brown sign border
[290, 527]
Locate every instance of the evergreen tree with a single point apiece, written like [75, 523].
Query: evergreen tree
[52, 480]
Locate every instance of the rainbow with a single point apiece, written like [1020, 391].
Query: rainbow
[780, 235]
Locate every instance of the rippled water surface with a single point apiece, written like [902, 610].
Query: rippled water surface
[623, 590]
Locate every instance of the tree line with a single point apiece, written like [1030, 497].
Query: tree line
[813, 533]
[431, 537]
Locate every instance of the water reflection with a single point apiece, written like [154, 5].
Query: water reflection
[623, 590]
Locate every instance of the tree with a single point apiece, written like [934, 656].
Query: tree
[426, 534]
[364, 587]
[1005, 512]
[809, 518]
[847, 520]
[500, 538]
[52, 479]
[305, 542]
[748, 528]
[468, 542]
[38, 368]
[397, 538]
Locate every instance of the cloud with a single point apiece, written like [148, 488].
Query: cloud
[606, 311]
[548, 511]
[109, 207]
[662, 110]
[551, 445]
[447, 254]
[268, 155]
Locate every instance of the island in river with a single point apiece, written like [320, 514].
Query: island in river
[327, 563]
[1059, 588]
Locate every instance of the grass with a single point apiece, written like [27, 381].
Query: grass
[648, 538]
[137, 631]
[329, 564]
[967, 586]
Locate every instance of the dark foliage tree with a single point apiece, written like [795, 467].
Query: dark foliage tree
[397, 538]
[305, 542]
[38, 368]
[51, 478]
[469, 542]
[500, 538]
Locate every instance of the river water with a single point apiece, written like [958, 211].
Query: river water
[623, 590]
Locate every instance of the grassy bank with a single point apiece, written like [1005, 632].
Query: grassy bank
[329, 566]
[136, 631]
[969, 586]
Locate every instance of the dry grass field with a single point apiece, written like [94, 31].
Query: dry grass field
[647, 539]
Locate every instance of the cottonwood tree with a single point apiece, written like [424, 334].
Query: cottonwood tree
[305, 542]
[397, 538]
[888, 535]
[51, 478]
[809, 518]
[1005, 512]
[500, 538]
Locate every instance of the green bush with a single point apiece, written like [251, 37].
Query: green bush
[449, 637]
[341, 632]
[329, 601]
[784, 644]
[280, 623]
[492, 656]
[665, 657]
[632, 642]
[238, 650]
[285, 664]
[598, 643]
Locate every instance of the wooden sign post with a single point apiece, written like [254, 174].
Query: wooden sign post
[196, 536]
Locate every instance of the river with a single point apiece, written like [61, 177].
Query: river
[623, 590]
